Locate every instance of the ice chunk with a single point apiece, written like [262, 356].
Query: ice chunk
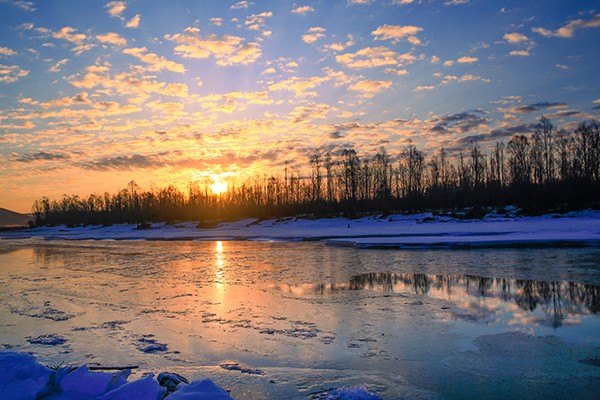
[143, 389]
[83, 384]
[22, 377]
[200, 390]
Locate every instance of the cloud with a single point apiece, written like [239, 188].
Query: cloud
[156, 62]
[78, 99]
[112, 38]
[256, 22]
[115, 8]
[309, 112]
[461, 122]
[303, 10]
[523, 53]
[133, 22]
[370, 57]
[423, 88]
[537, 107]
[56, 67]
[369, 88]
[314, 34]
[562, 66]
[299, 85]
[5, 51]
[456, 2]
[515, 38]
[41, 156]
[126, 163]
[25, 5]
[130, 83]
[403, 2]
[467, 60]
[216, 21]
[470, 77]
[67, 33]
[397, 33]
[11, 73]
[240, 5]
[359, 2]
[227, 49]
[568, 30]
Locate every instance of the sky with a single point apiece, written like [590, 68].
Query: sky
[94, 94]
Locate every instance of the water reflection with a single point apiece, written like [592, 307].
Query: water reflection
[557, 299]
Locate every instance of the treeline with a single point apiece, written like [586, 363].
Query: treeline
[546, 169]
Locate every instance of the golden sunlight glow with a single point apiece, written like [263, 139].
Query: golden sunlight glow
[218, 186]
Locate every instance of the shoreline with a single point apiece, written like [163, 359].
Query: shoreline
[395, 231]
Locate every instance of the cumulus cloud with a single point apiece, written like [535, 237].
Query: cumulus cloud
[115, 9]
[112, 38]
[5, 51]
[68, 33]
[58, 65]
[11, 73]
[515, 37]
[133, 22]
[370, 57]
[256, 22]
[314, 34]
[303, 10]
[216, 21]
[299, 85]
[369, 88]
[423, 88]
[227, 49]
[397, 33]
[522, 53]
[467, 60]
[156, 62]
[78, 99]
[240, 5]
[568, 30]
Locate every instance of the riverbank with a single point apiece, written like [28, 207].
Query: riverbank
[580, 228]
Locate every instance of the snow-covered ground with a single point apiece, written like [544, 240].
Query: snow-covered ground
[397, 231]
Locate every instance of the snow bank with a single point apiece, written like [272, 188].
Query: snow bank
[426, 230]
[24, 379]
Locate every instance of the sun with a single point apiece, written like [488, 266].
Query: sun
[218, 187]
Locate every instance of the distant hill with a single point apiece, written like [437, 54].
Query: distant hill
[11, 218]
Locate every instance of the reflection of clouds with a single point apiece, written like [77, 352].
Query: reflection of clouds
[527, 302]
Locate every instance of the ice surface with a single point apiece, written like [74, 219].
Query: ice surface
[315, 318]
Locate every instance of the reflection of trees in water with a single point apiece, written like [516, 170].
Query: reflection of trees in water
[556, 299]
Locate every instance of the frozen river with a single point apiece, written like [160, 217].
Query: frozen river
[295, 319]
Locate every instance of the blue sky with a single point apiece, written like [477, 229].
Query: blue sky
[94, 94]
